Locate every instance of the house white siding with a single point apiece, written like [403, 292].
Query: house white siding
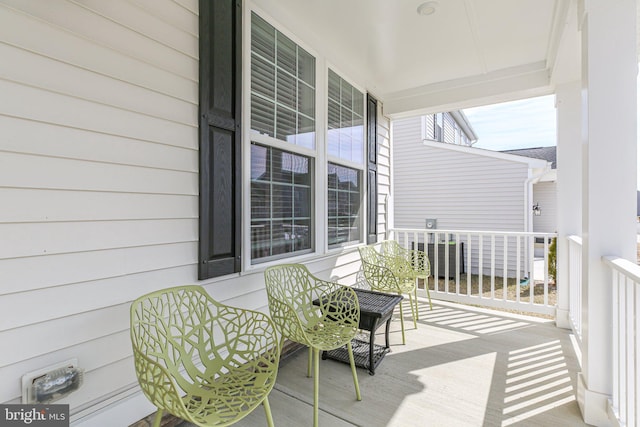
[461, 190]
[545, 194]
[98, 181]
[99, 188]
[384, 171]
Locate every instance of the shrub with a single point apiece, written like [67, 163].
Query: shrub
[552, 259]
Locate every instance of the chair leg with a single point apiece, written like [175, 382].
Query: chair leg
[402, 323]
[267, 411]
[415, 299]
[414, 310]
[158, 418]
[353, 370]
[309, 362]
[428, 293]
[316, 384]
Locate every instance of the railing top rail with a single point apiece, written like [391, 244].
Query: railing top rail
[481, 232]
[575, 239]
[623, 266]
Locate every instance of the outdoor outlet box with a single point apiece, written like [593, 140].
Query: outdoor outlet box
[51, 383]
[431, 224]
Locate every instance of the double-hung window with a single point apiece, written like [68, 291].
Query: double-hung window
[345, 147]
[283, 134]
[287, 154]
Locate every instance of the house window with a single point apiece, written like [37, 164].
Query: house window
[283, 98]
[438, 134]
[345, 120]
[345, 146]
[344, 224]
[283, 92]
[280, 202]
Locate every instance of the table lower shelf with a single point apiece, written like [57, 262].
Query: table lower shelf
[360, 354]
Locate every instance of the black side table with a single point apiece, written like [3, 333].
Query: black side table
[375, 309]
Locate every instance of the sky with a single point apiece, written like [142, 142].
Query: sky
[524, 123]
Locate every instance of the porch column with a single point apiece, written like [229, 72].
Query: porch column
[569, 187]
[609, 68]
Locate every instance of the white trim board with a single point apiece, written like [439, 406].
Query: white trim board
[532, 163]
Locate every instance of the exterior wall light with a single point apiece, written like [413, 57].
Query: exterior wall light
[536, 209]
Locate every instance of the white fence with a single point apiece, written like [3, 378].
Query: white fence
[490, 268]
[575, 285]
[625, 402]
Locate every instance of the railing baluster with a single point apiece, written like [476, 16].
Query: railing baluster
[493, 266]
[457, 264]
[436, 275]
[480, 266]
[469, 246]
[615, 290]
[545, 271]
[630, 355]
[518, 268]
[505, 262]
[446, 262]
[531, 256]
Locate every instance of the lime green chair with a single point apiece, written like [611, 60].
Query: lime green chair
[319, 314]
[380, 275]
[202, 361]
[408, 264]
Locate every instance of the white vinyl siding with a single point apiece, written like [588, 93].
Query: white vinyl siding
[99, 188]
[545, 193]
[462, 191]
[98, 181]
[384, 172]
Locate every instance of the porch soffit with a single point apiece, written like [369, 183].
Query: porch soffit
[468, 53]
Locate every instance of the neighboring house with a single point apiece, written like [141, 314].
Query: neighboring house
[467, 188]
[451, 127]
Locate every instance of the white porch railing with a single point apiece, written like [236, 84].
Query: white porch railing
[625, 404]
[575, 286]
[499, 269]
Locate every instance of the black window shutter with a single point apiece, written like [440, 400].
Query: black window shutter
[220, 137]
[372, 169]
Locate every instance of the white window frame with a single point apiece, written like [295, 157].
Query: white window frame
[318, 155]
[361, 167]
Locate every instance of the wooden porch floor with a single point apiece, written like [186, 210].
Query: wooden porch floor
[463, 366]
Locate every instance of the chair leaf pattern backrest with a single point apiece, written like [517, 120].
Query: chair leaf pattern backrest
[378, 275]
[292, 290]
[405, 263]
[183, 340]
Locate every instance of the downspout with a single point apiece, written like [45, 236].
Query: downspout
[528, 216]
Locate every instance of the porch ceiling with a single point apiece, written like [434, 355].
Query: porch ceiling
[467, 53]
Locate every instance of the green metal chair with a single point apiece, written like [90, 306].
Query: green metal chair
[319, 314]
[202, 361]
[408, 264]
[380, 273]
